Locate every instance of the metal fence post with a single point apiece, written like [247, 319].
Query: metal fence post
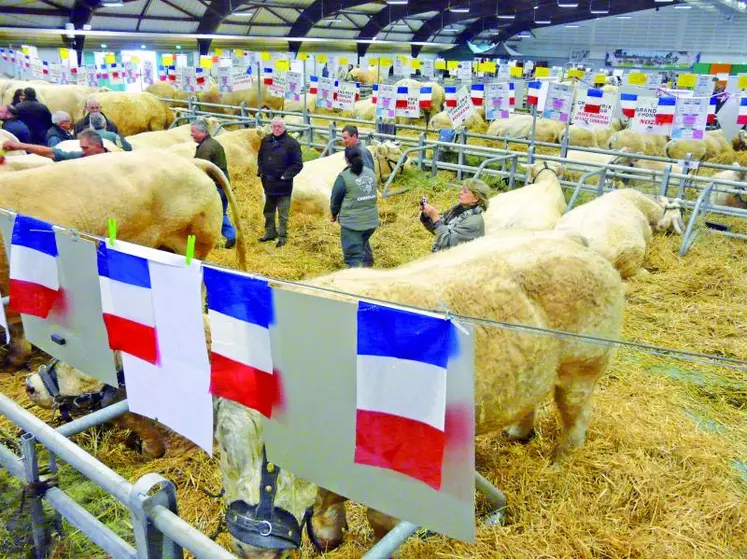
[242, 112]
[421, 143]
[564, 143]
[664, 188]
[462, 140]
[685, 175]
[152, 543]
[332, 136]
[32, 496]
[512, 178]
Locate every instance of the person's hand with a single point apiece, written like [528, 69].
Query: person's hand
[333, 218]
[11, 145]
[430, 211]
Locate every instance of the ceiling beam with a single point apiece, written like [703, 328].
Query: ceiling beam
[318, 10]
[142, 14]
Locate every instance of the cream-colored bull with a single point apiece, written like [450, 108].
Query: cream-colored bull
[135, 112]
[166, 138]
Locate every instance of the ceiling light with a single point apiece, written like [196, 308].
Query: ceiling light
[459, 9]
[663, 1]
[112, 3]
[524, 34]
[599, 11]
[543, 21]
[87, 27]
[249, 13]
[506, 16]
[142, 46]
[178, 47]
[567, 4]
[403, 2]
[103, 45]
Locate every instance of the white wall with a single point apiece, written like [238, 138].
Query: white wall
[709, 33]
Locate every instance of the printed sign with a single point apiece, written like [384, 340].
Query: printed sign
[293, 86]
[325, 96]
[149, 72]
[704, 86]
[277, 88]
[464, 71]
[690, 119]
[559, 102]
[594, 120]
[413, 104]
[428, 68]
[399, 68]
[633, 58]
[387, 101]
[54, 72]
[92, 74]
[497, 100]
[81, 78]
[463, 109]
[346, 95]
[645, 118]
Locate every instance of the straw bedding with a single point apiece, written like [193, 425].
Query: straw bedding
[660, 474]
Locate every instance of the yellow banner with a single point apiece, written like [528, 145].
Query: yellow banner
[110, 59]
[373, 61]
[136, 60]
[386, 61]
[637, 78]
[321, 58]
[25, 50]
[488, 67]
[63, 54]
[452, 64]
[687, 81]
[218, 52]
[742, 82]
[265, 56]
[206, 62]
[303, 56]
[415, 64]
[239, 52]
[343, 60]
[167, 59]
[282, 65]
[516, 71]
[573, 73]
[600, 79]
[541, 72]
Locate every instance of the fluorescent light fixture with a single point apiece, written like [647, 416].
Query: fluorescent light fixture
[334, 20]
[87, 27]
[524, 35]
[178, 47]
[543, 21]
[567, 4]
[459, 9]
[248, 13]
[112, 3]
[571, 26]
[103, 45]
[598, 11]
[663, 1]
[404, 2]
[506, 16]
[142, 46]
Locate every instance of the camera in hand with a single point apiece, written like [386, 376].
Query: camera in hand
[423, 202]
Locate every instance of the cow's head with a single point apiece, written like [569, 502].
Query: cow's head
[545, 168]
[739, 143]
[671, 220]
[386, 155]
[58, 379]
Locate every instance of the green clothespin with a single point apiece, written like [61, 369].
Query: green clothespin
[190, 248]
[112, 230]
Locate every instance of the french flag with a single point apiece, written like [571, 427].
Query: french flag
[4, 54]
[335, 90]
[162, 74]
[665, 109]
[45, 67]
[426, 97]
[267, 80]
[401, 98]
[533, 92]
[511, 94]
[104, 74]
[375, 93]
[240, 311]
[313, 85]
[357, 91]
[478, 94]
[450, 95]
[27, 61]
[401, 391]
[628, 103]
[115, 71]
[711, 110]
[34, 279]
[593, 101]
[127, 303]
[199, 77]
[742, 114]
[172, 74]
[12, 55]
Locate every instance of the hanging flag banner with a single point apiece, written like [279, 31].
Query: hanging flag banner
[704, 86]
[387, 101]
[293, 86]
[426, 97]
[559, 102]
[346, 93]
[690, 118]
[374, 93]
[325, 97]
[478, 94]
[497, 100]
[427, 68]
[644, 121]
[401, 98]
[148, 72]
[601, 119]
[712, 110]
[742, 112]
[412, 110]
[593, 100]
[533, 93]
[450, 92]
[314, 85]
[665, 109]
[628, 103]
[463, 109]
[464, 71]
[277, 87]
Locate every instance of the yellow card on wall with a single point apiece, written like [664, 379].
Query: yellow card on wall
[206, 62]
[686, 81]
[25, 50]
[578, 74]
[218, 52]
[373, 61]
[637, 78]
[742, 82]
[415, 64]
[321, 58]
[265, 56]
[343, 60]
[303, 56]
[541, 72]
[282, 65]
[489, 67]
[440, 65]
[110, 59]
[516, 71]
[239, 52]
[600, 79]
[386, 61]
[167, 59]
[63, 54]
[452, 64]
[136, 60]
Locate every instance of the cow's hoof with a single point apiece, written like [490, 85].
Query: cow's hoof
[323, 540]
[516, 435]
[152, 449]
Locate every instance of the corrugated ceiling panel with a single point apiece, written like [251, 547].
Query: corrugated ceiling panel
[169, 26]
[369, 8]
[191, 6]
[332, 33]
[287, 13]
[229, 29]
[130, 8]
[14, 20]
[101, 23]
[359, 20]
[269, 31]
[265, 16]
[24, 4]
[161, 9]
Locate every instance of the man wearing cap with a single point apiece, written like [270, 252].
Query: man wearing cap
[462, 222]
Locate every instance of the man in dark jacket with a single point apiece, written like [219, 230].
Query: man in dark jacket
[61, 129]
[35, 115]
[9, 116]
[93, 105]
[350, 140]
[279, 160]
[210, 150]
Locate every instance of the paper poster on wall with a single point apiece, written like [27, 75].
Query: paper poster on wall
[149, 72]
[559, 102]
[690, 117]
[293, 86]
[188, 79]
[644, 121]
[704, 86]
[497, 100]
[37, 69]
[386, 102]
[428, 68]
[131, 72]
[412, 107]
[399, 68]
[464, 108]
[346, 95]
[464, 71]
[639, 58]
[324, 98]
[602, 119]
[92, 75]
[81, 78]
[277, 88]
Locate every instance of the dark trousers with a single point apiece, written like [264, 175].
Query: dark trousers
[281, 204]
[356, 249]
[227, 228]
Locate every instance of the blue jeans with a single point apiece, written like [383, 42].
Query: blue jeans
[227, 229]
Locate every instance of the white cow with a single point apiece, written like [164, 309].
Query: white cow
[729, 199]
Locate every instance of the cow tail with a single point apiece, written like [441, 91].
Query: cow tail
[217, 175]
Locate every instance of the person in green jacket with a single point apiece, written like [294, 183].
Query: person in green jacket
[461, 223]
[354, 205]
[98, 123]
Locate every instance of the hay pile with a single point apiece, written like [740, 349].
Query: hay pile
[660, 474]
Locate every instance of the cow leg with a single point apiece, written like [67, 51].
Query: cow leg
[380, 523]
[19, 349]
[573, 396]
[523, 430]
[152, 441]
[328, 521]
